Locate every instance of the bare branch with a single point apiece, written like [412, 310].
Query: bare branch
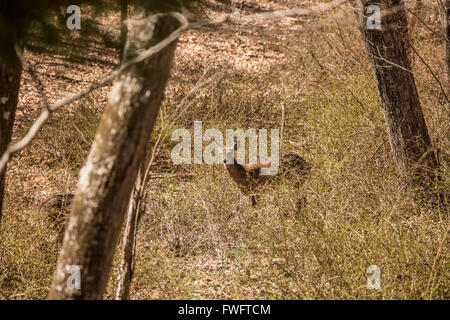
[185, 25]
[431, 71]
[45, 115]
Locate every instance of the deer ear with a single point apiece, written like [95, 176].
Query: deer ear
[236, 145]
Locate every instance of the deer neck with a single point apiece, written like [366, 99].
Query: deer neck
[235, 170]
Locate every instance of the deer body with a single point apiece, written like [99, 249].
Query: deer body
[248, 176]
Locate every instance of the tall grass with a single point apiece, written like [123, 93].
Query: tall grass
[200, 238]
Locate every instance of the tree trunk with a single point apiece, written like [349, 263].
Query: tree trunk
[107, 179]
[407, 130]
[134, 213]
[123, 27]
[10, 73]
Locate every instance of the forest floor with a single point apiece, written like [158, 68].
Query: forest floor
[200, 238]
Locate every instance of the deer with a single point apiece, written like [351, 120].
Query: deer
[248, 177]
[57, 209]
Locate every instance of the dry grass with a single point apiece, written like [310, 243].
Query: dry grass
[200, 238]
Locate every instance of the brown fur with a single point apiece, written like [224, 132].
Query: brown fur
[248, 176]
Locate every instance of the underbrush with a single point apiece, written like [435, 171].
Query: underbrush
[200, 237]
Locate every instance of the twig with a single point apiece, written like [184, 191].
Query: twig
[46, 113]
[431, 280]
[426, 25]
[135, 208]
[282, 125]
[431, 71]
[216, 77]
[185, 26]
[34, 76]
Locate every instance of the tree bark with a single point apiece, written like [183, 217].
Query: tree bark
[107, 179]
[408, 135]
[134, 213]
[10, 73]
